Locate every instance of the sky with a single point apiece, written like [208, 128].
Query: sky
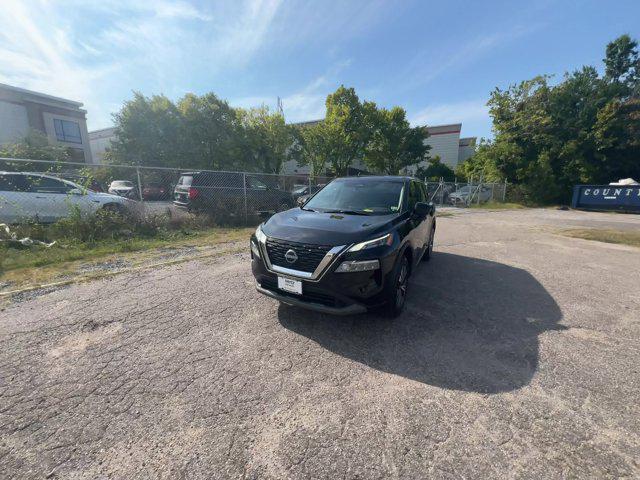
[438, 60]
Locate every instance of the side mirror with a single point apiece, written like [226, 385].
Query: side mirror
[76, 191]
[422, 209]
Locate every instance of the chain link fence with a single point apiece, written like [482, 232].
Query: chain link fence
[46, 191]
[461, 194]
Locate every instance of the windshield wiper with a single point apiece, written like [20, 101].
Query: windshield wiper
[347, 212]
[307, 209]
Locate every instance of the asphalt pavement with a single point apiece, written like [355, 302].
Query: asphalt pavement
[517, 357]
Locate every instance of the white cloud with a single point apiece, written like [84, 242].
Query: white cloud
[97, 52]
[305, 103]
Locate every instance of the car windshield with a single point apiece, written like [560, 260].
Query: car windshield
[367, 197]
[463, 190]
[121, 183]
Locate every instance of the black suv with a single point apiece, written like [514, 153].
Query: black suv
[350, 248]
[229, 192]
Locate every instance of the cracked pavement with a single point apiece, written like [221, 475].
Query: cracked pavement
[517, 357]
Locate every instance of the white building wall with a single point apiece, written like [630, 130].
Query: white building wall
[14, 122]
[445, 146]
[466, 152]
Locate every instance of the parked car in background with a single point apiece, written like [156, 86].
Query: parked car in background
[468, 193]
[306, 190]
[44, 198]
[351, 248]
[123, 188]
[155, 191]
[229, 192]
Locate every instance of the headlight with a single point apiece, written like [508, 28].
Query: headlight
[254, 249]
[358, 266]
[376, 242]
[260, 236]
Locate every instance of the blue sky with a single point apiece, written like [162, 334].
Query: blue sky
[439, 60]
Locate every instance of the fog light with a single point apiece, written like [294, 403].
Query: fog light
[358, 266]
[254, 249]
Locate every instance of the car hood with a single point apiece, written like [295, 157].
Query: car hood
[297, 225]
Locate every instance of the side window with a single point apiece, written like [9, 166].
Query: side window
[422, 192]
[253, 182]
[12, 183]
[413, 195]
[48, 185]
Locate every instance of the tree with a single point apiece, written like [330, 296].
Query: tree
[435, 170]
[148, 132]
[210, 132]
[345, 129]
[582, 130]
[269, 142]
[314, 141]
[34, 146]
[622, 63]
[393, 144]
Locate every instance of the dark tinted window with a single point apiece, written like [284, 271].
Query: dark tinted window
[67, 131]
[414, 195]
[12, 183]
[47, 185]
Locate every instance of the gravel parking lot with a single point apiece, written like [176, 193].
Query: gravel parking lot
[517, 356]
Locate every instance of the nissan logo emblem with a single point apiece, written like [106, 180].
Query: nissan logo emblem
[291, 256]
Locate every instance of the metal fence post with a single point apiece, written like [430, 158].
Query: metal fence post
[441, 191]
[139, 184]
[244, 189]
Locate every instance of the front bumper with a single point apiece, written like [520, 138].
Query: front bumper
[331, 292]
[352, 309]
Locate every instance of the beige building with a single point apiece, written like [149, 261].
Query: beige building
[63, 121]
[100, 141]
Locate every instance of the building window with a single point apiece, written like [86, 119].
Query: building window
[67, 131]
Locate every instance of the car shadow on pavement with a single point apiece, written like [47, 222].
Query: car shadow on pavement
[469, 325]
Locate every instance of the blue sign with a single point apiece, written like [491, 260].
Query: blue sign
[607, 197]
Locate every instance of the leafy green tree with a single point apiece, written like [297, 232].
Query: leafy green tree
[435, 170]
[148, 133]
[551, 137]
[392, 144]
[35, 145]
[622, 63]
[345, 129]
[269, 141]
[210, 132]
[315, 151]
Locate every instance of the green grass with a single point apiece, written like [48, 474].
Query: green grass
[38, 264]
[620, 237]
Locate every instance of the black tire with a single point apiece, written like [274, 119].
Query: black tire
[426, 256]
[396, 295]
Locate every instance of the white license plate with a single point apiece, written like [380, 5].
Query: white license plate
[289, 285]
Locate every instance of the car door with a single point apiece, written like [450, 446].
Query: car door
[425, 223]
[51, 197]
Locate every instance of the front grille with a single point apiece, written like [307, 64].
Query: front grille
[309, 256]
[309, 294]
